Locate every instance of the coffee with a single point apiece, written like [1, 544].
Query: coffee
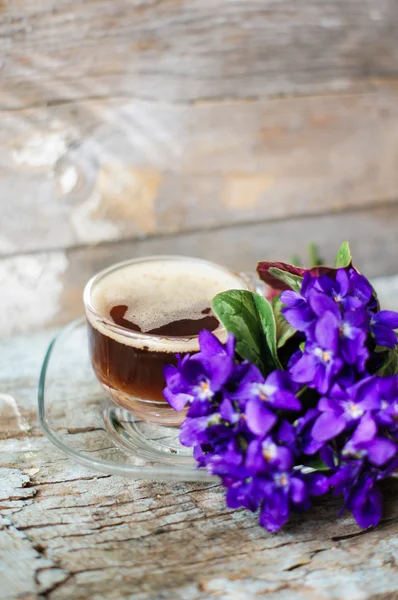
[140, 314]
[179, 328]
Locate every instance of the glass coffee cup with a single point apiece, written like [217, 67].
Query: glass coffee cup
[140, 314]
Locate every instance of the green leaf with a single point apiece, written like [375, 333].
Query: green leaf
[314, 258]
[390, 364]
[379, 349]
[250, 318]
[295, 260]
[293, 281]
[343, 256]
[302, 391]
[268, 324]
[318, 465]
[284, 331]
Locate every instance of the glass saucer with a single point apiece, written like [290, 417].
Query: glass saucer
[77, 417]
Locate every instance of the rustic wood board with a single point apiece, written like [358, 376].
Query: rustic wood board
[45, 288]
[102, 170]
[68, 533]
[185, 50]
[132, 118]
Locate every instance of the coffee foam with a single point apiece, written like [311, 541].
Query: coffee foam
[160, 292]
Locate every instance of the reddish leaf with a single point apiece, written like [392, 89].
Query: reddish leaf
[263, 268]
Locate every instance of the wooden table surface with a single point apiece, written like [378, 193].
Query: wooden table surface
[66, 532]
[233, 130]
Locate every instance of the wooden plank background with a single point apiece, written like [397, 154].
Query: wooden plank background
[45, 288]
[190, 50]
[167, 120]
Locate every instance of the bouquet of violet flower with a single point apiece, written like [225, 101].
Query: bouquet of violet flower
[301, 399]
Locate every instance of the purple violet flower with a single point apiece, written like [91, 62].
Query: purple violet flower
[353, 337]
[361, 288]
[297, 311]
[265, 455]
[386, 415]
[366, 502]
[257, 435]
[200, 376]
[320, 294]
[279, 491]
[382, 325]
[365, 442]
[243, 492]
[320, 362]
[308, 444]
[260, 398]
[361, 494]
[357, 481]
[343, 409]
[350, 298]
[348, 290]
[283, 490]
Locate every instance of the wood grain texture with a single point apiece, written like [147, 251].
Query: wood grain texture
[180, 50]
[68, 533]
[45, 288]
[131, 118]
[96, 171]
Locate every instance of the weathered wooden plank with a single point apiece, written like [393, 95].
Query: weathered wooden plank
[94, 171]
[45, 289]
[185, 50]
[68, 533]
[153, 154]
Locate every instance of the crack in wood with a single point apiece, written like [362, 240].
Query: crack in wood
[363, 84]
[383, 524]
[45, 565]
[47, 593]
[88, 478]
[307, 559]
